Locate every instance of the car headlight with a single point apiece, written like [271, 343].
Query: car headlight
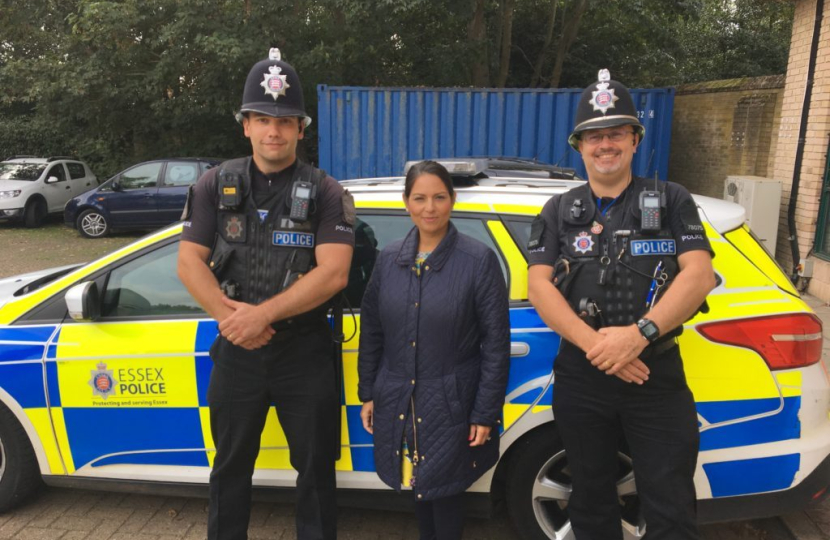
[9, 194]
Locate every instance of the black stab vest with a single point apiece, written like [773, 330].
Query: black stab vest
[265, 257]
[614, 271]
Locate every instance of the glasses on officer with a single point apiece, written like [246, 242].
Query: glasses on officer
[614, 136]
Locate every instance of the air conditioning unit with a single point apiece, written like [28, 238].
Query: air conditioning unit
[761, 198]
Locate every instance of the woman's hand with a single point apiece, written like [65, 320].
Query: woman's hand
[478, 434]
[367, 414]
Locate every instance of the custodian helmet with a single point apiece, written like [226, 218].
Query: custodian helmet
[605, 104]
[273, 88]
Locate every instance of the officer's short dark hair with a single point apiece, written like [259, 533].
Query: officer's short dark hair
[427, 167]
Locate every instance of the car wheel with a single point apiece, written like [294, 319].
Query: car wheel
[33, 213]
[93, 224]
[19, 473]
[539, 487]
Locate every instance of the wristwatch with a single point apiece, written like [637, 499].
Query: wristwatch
[648, 330]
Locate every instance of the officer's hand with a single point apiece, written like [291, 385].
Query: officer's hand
[259, 341]
[621, 346]
[635, 372]
[367, 414]
[246, 323]
[479, 434]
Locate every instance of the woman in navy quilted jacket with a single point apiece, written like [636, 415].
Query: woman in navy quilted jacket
[434, 356]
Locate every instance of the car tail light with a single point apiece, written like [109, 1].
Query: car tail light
[783, 341]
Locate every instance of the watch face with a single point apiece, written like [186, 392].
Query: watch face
[648, 329]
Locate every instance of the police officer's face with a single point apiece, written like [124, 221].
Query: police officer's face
[429, 204]
[608, 152]
[273, 140]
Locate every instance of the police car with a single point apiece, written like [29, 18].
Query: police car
[104, 371]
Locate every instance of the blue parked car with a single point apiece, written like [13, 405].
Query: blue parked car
[145, 196]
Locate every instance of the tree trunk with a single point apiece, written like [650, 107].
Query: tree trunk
[506, 42]
[479, 70]
[569, 32]
[543, 54]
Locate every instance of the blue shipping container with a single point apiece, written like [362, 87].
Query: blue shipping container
[371, 132]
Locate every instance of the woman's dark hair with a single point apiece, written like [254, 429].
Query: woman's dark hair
[427, 167]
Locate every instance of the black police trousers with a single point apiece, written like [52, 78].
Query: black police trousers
[296, 374]
[659, 422]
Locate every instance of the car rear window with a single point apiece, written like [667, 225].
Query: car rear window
[76, 170]
[181, 173]
[748, 244]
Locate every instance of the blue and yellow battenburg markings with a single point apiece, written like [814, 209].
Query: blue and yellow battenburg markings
[134, 393]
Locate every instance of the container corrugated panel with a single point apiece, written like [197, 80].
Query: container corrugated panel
[371, 132]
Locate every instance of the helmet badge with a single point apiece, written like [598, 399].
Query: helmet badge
[603, 98]
[274, 83]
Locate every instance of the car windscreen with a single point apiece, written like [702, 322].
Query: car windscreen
[21, 171]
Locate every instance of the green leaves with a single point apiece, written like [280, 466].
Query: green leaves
[121, 81]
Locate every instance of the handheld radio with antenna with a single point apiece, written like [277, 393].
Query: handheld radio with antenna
[651, 204]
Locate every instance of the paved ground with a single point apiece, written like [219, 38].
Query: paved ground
[67, 514]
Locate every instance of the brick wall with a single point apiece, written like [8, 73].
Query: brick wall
[724, 128]
[815, 150]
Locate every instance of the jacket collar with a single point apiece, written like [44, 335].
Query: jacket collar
[409, 248]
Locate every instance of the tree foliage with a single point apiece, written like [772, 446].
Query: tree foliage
[120, 81]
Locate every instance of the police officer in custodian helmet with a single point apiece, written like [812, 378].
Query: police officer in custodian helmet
[616, 266]
[267, 242]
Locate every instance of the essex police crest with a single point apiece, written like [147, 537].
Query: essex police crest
[583, 242]
[275, 84]
[102, 381]
[234, 228]
[603, 98]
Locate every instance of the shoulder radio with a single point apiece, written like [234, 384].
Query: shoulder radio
[650, 210]
[301, 195]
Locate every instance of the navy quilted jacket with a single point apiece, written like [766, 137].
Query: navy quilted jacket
[444, 339]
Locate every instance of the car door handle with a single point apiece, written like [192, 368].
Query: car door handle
[519, 349]
[67, 187]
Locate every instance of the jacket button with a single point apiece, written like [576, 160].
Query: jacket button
[401, 417]
[498, 421]
[397, 452]
[474, 464]
[416, 304]
[413, 343]
[426, 268]
[413, 381]
[420, 496]
[419, 420]
[413, 268]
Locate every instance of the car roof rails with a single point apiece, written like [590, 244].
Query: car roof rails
[21, 157]
[55, 158]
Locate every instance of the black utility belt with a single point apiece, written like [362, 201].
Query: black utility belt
[659, 347]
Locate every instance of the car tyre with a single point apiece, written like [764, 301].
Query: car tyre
[33, 213]
[539, 486]
[19, 472]
[92, 224]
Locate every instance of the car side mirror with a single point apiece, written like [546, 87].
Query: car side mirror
[116, 185]
[52, 180]
[84, 302]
